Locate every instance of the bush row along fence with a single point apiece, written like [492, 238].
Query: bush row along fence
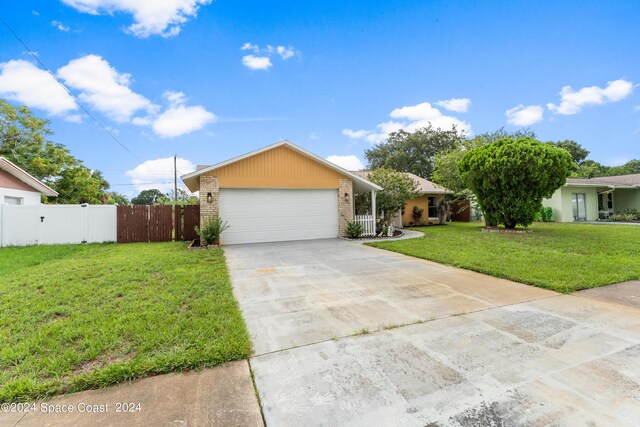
[23, 225]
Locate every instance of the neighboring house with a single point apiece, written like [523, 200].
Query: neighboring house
[281, 192]
[17, 187]
[593, 199]
[429, 200]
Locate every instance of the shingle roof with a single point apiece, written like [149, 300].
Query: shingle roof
[424, 185]
[620, 181]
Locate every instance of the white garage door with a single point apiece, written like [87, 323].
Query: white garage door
[256, 216]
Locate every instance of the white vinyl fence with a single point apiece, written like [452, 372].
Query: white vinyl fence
[368, 224]
[22, 225]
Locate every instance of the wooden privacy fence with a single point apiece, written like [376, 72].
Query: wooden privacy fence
[460, 211]
[162, 223]
[188, 217]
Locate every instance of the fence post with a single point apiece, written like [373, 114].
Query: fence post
[177, 223]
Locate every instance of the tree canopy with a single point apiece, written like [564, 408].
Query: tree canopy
[413, 152]
[510, 178]
[156, 197]
[446, 172]
[148, 197]
[24, 140]
[397, 189]
[115, 198]
[577, 151]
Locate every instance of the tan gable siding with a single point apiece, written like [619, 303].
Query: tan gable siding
[280, 167]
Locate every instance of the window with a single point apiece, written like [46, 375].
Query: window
[433, 207]
[578, 200]
[10, 200]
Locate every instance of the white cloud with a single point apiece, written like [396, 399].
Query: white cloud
[350, 163]
[157, 17]
[175, 97]
[524, 116]
[636, 108]
[410, 118]
[104, 88]
[572, 102]
[459, 105]
[158, 173]
[73, 118]
[114, 131]
[260, 59]
[256, 62]
[315, 135]
[23, 82]
[356, 134]
[59, 25]
[285, 52]
[250, 46]
[180, 119]
[421, 115]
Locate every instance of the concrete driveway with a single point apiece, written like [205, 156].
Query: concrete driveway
[345, 334]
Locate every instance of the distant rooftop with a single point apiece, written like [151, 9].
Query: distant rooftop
[424, 185]
[619, 181]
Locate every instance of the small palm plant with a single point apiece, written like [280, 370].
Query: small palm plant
[211, 229]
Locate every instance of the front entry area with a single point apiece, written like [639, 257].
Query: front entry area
[278, 215]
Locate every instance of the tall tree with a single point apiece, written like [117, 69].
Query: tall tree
[589, 169]
[184, 198]
[24, 140]
[631, 167]
[115, 198]
[577, 151]
[148, 197]
[413, 152]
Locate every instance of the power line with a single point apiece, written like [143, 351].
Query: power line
[67, 90]
[142, 183]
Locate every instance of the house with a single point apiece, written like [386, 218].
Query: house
[281, 192]
[17, 187]
[429, 200]
[593, 199]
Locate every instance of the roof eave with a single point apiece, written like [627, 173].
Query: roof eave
[25, 177]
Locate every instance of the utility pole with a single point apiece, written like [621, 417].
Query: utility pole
[175, 181]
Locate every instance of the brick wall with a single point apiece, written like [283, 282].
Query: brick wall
[208, 184]
[345, 209]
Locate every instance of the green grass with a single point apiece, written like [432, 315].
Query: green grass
[74, 317]
[561, 257]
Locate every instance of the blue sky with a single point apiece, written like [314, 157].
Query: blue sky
[172, 77]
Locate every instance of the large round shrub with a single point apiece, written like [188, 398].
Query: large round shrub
[510, 177]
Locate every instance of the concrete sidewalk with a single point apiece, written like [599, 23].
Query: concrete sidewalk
[221, 396]
[627, 293]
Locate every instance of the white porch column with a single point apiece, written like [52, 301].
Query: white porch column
[373, 207]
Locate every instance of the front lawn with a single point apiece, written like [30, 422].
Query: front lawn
[561, 257]
[74, 317]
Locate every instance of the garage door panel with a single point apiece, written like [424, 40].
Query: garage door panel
[269, 215]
